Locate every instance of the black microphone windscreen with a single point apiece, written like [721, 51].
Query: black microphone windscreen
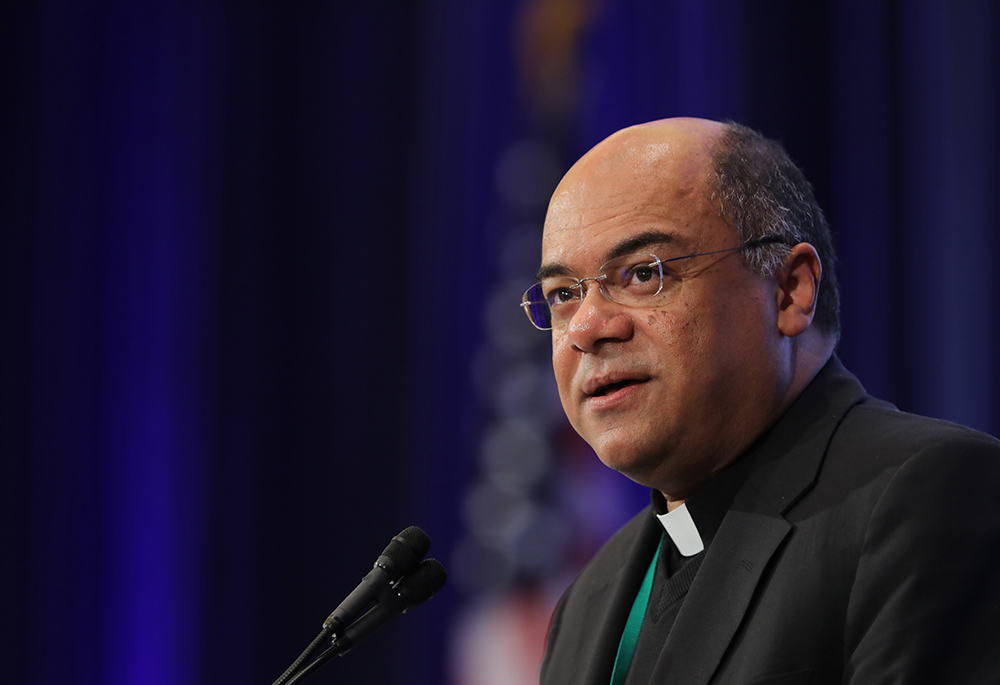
[422, 584]
[404, 552]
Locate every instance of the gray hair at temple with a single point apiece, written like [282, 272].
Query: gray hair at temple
[763, 193]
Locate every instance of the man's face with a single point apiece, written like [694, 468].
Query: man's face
[669, 394]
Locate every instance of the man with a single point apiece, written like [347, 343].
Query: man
[799, 531]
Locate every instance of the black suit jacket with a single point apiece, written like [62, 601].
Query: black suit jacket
[861, 545]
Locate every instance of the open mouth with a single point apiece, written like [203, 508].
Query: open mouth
[614, 387]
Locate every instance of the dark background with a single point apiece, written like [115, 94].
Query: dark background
[255, 267]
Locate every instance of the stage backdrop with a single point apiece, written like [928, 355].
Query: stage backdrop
[259, 274]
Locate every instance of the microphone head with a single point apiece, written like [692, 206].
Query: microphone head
[422, 584]
[413, 589]
[404, 552]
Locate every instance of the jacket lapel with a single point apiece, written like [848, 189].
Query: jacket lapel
[608, 607]
[720, 595]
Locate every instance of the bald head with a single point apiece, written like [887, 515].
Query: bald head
[638, 175]
[669, 152]
[655, 140]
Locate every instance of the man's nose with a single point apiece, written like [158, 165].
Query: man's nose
[597, 320]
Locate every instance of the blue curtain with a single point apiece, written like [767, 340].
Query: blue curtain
[250, 253]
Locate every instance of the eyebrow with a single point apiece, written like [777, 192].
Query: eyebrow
[627, 246]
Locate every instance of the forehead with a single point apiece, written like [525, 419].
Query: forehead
[629, 189]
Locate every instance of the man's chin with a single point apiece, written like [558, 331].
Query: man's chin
[632, 464]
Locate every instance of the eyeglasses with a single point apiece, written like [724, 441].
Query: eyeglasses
[634, 280]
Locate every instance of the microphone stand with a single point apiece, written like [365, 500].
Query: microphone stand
[289, 676]
[314, 665]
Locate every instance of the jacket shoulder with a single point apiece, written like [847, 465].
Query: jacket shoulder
[879, 426]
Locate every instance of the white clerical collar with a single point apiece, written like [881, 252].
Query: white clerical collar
[682, 530]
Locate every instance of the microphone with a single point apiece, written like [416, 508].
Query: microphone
[419, 586]
[397, 560]
[413, 589]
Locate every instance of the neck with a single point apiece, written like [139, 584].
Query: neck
[672, 503]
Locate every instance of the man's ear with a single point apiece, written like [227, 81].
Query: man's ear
[798, 289]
